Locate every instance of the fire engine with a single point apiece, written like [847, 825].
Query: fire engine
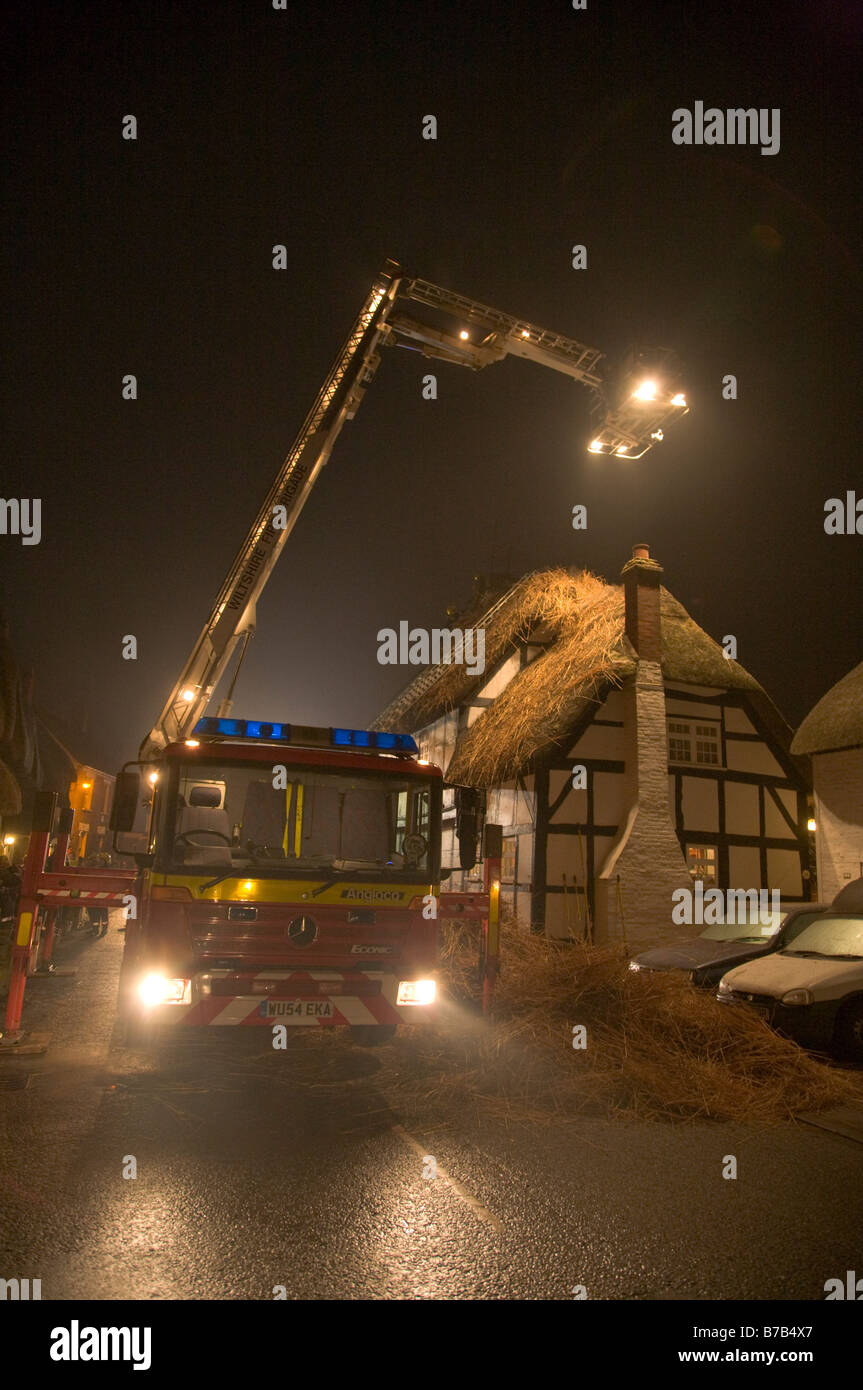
[291, 875]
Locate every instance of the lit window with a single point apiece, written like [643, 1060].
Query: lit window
[701, 862]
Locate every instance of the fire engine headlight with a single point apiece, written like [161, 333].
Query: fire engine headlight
[417, 992]
[158, 989]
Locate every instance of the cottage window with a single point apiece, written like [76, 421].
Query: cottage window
[701, 862]
[679, 743]
[689, 742]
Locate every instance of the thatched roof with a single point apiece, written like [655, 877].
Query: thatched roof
[581, 619]
[837, 720]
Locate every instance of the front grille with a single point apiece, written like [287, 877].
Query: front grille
[760, 1001]
[296, 986]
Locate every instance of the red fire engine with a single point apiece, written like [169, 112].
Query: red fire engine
[290, 874]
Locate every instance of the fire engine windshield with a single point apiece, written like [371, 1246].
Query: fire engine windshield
[227, 816]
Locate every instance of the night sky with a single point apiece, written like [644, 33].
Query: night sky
[258, 126]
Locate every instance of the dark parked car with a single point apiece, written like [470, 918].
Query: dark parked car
[717, 949]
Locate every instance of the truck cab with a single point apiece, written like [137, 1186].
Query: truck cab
[286, 876]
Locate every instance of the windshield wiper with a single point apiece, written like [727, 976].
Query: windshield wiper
[346, 866]
[229, 873]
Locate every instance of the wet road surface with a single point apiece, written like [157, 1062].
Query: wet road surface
[299, 1170]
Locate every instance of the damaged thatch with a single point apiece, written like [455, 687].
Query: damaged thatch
[579, 619]
[588, 652]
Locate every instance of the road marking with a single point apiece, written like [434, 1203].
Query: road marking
[467, 1197]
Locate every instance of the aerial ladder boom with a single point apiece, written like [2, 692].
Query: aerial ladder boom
[504, 335]
[485, 336]
[232, 619]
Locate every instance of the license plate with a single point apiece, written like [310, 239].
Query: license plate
[296, 1008]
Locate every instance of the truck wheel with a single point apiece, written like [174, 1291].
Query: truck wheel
[373, 1034]
[848, 1036]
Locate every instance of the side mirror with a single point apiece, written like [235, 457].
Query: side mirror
[127, 792]
[469, 816]
[133, 845]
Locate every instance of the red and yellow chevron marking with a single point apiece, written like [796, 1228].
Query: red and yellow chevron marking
[295, 1005]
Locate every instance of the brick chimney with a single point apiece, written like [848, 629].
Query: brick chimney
[645, 863]
[641, 579]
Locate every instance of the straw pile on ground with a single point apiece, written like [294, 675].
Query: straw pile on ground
[657, 1048]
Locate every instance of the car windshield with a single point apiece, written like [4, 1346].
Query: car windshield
[834, 937]
[239, 816]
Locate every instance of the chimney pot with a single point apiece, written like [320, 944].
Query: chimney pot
[641, 583]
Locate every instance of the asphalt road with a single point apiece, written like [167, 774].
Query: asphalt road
[259, 1169]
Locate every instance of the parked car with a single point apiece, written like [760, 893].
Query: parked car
[811, 989]
[707, 957]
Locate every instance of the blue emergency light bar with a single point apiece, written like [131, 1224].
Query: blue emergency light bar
[305, 735]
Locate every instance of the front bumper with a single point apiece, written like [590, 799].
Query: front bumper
[307, 999]
[810, 1025]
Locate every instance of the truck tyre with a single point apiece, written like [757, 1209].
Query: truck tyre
[373, 1034]
[848, 1035]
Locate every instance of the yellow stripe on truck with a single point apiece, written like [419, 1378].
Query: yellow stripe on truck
[242, 888]
[298, 829]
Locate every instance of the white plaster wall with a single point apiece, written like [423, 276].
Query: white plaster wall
[741, 809]
[838, 781]
[738, 722]
[784, 873]
[700, 803]
[744, 867]
[500, 679]
[751, 757]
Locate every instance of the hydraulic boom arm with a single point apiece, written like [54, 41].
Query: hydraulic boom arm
[485, 336]
[233, 615]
